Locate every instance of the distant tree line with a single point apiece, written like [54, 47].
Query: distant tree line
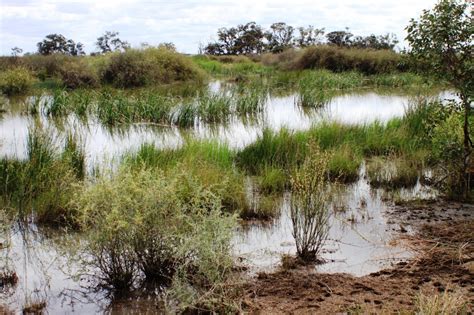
[251, 38]
[58, 44]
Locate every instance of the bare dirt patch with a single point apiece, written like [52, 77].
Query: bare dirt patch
[444, 262]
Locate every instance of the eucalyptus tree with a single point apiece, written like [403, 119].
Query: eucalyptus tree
[442, 40]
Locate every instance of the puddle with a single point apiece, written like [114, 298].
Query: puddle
[360, 237]
[46, 274]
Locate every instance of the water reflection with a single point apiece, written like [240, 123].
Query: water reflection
[50, 267]
[360, 237]
[103, 143]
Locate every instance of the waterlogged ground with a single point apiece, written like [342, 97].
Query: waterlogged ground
[102, 143]
[361, 238]
[361, 233]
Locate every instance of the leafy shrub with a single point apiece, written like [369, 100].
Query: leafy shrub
[340, 59]
[447, 143]
[134, 68]
[78, 74]
[15, 81]
[46, 66]
[169, 227]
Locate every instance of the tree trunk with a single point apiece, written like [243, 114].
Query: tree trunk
[467, 143]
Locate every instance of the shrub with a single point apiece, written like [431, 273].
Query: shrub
[447, 143]
[340, 59]
[78, 74]
[169, 227]
[134, 68]
[15, 81]
[46, 66]
[309, 209]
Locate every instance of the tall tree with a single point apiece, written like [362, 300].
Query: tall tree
[111, 42]
[243, 39]
[387, 41]
[340, 38]
[58, 44]
[16, 51]
[308, 36]
[279, 37]
[442, 40]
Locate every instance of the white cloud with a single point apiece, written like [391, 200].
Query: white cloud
[187, 22]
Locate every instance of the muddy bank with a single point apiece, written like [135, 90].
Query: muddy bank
[444, 261]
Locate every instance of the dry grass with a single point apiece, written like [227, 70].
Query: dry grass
[445, 303]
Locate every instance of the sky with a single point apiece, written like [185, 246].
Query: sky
[187, 23]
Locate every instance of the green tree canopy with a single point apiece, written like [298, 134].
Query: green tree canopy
[441, 41]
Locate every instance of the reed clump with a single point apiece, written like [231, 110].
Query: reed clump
[393, 172]
[42, 183]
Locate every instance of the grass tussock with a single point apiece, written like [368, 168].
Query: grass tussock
[210, 162]
[42, 183]
[441, 303]
[394, 171]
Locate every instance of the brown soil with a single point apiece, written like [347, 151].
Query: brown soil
[444, 261]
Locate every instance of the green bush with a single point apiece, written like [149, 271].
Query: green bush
[78, 74]
[168, 227]
[15, 81]
[151, 66]
[46, 66]
[340, 59]
[309, 204]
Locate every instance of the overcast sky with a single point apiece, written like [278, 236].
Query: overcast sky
[190, 22]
